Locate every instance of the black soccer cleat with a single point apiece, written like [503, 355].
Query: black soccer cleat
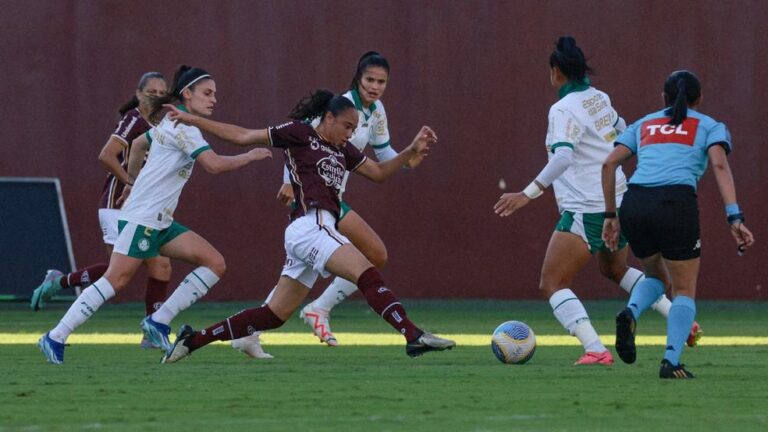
[179, 350]
[668, 370]
[427, 342]
[625, 336]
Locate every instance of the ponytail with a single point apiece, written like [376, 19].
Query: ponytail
[681, 89]
[569, 58]
[318, 103]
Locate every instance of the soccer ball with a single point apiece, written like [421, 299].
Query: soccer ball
[513, 342]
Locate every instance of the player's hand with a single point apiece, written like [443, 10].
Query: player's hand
[285, 194]
[178, 116]
[259, 154]
[742, 235]
[422, 141]
[124, 195]
[611, 230]
[509, 203]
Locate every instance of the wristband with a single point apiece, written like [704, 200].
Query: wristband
[732, 209]
[738, 217]
[609, 215]
[532, 191]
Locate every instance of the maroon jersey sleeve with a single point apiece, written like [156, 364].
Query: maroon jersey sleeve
[354, 158]
[291, 134]
[130, 126]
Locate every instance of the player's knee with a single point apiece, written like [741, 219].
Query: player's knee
[547, 288]
[613, 272]
[379, 257]
[159, 269]
[217, 264]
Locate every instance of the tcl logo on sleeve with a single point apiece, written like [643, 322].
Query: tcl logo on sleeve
[657, 131]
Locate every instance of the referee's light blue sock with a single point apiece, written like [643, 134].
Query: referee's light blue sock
[681, 316]
[645, 293]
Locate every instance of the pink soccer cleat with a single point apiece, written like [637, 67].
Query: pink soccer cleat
[320, 323]
[695, 335]
[595, 358]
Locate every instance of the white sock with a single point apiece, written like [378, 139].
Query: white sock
[569, 310]
[630, 279]
[269, 297]
[662, 306]
[336, 292]
[82, 309]
[192, 288]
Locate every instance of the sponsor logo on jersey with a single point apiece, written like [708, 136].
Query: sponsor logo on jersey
[657, 131]
[143, 245]
[331, 170]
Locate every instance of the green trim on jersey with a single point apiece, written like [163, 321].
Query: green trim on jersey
[149, 137]
[573, 86]
[344, 208]
[561, 144]
[380, 146]
[146, 242]
[359, 104]
[181, 107]
[198, 151]
[588, 226]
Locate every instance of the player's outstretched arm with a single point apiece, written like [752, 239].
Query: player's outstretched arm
[724, 178]
[235, 134]
[216, 164]
[418, 149]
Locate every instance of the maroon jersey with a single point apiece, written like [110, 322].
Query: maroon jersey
[130, 127]
[316, 167]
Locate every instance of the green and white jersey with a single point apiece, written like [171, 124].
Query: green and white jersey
[584, 120]
[171, 158]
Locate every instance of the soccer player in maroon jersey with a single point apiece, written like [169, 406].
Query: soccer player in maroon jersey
[317, 159]
[114, 156]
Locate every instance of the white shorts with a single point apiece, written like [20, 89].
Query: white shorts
[309, 243]
[108, 221]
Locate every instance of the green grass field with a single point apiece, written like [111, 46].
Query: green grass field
[369, 384]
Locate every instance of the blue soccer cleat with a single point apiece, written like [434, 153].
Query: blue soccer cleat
[52, 350]
[156, 333]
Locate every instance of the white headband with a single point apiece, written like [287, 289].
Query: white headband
[194, 81]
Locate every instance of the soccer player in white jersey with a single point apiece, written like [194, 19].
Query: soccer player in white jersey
[582, 128]
[114, 156]
[146, 224]
[367, 88]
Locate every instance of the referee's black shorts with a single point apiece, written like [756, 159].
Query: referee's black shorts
[661, 219]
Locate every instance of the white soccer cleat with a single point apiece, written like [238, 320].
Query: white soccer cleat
[251, 346]
[179, 350]
[320, 322]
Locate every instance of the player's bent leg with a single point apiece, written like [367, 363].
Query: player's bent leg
[120, 271]
[194, 249]
[349, 263]
[317, 313]
[288, 295]
[566, 255]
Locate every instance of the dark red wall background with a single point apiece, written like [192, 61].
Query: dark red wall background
[475, 71]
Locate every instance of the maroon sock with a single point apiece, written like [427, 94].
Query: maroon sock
[83, 277]
[155, 294]
[239, 325]
[384, 302]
